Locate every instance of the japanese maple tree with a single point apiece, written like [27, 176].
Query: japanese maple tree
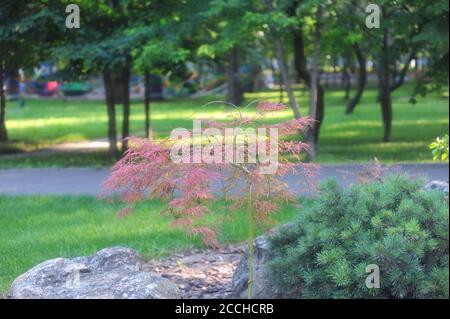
[189, 183]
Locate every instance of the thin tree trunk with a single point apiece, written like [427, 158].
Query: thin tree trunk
[312, 137]
[362, 80]
[285, 78]
[126, 108]
[280, 90]
[346, 79]
[385, 90]
[3, 131]
[255, 75]
[320, 113]
[235, 93]
[148, 127]
[303, 73]
[282, 65]
[401, 77]
[111, 111]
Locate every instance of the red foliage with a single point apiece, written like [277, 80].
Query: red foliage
[147, 172]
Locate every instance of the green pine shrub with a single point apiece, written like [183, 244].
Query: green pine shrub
[392, 223]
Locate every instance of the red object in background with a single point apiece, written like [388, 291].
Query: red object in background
[52, 87]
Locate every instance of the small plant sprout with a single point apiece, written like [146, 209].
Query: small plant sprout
[231, 161]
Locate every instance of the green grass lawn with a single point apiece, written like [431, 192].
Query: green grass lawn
[344, 138]
[97, 159]
[34, 229]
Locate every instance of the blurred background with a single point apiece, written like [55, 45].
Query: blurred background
[99, 71]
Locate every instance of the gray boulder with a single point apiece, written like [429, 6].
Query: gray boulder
[262, 286]
[111, 273]
[438, 185]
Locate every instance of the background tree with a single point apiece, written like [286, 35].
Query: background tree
[298, 10]
[25, 29]
[313, 135]
[405, 29]
[104, 44]
[433, 37]
[362, 78]
[345, 34]
[226, 38]
[278, 21]
[156, 57]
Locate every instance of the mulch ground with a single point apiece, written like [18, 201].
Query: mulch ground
[200, 274]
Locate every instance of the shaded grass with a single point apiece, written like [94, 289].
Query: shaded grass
[344, 138]
[358, 137]
[96, 159]
[37, 228]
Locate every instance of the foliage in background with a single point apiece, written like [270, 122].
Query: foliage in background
[393, 223]
[439, 148]
[236, 37]
[25, 30]
[344, 139]
[434, 34]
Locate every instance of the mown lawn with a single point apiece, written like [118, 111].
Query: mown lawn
[344, 138]
[34, 229]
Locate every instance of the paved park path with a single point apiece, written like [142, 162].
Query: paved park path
[86, 181]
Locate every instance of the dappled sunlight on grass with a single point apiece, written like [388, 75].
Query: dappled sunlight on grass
[347, 134]
[46, 122]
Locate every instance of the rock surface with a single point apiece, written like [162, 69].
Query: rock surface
[111, 273]
[262, 286]
[438, 185]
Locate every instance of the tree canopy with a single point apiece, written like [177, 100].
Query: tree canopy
[119, 37]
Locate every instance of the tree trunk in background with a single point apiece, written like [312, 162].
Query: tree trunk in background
[362, 80]
[255, 76]
[235, 93]
[401, 77]
[125, 77]
[280, 89]
[148, 127]
[303, 73]
[116, 79]
[385, 89]
[285, 78]
[312, 135]
[111, 111]
[3, 132]
[283, 68]
[346, 81]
